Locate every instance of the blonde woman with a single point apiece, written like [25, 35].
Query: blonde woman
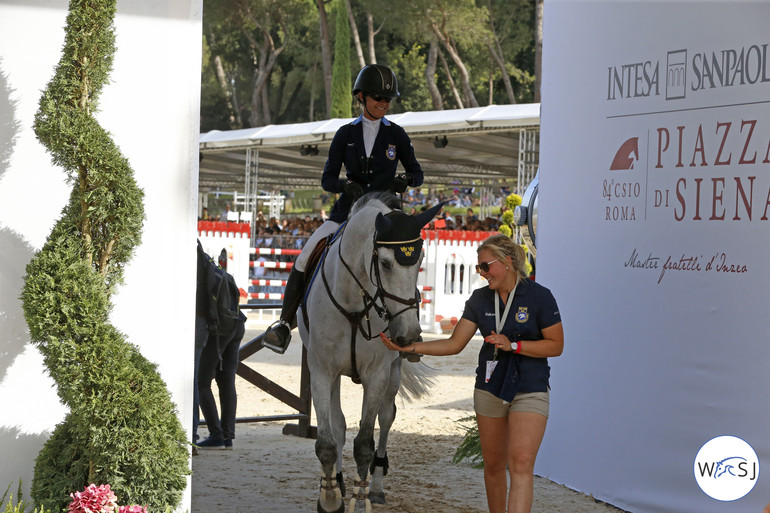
[521, 325]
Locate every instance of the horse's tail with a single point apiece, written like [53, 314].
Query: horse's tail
[416, 380]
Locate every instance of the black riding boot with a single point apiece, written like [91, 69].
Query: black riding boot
[278, 335]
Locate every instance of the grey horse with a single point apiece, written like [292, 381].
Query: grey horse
[364, 284]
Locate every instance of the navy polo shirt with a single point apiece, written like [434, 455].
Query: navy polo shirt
[374, 173]
[533, 309]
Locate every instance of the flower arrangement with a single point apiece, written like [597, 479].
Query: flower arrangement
[99, 499]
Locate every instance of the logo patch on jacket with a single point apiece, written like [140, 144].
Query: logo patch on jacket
[391, 152]
[522, 315]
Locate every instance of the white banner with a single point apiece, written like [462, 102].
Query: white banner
[654, 232]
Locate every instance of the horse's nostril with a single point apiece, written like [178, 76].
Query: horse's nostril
[419, 339]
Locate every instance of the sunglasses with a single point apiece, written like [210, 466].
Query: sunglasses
[386, 99]
[484, 266]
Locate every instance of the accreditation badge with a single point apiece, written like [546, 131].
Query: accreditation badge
[491, 364]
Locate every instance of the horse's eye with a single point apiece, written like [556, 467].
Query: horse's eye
[387, 264]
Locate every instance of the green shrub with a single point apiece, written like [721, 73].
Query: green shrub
[122, 428]
[9, 505]
[470, 447]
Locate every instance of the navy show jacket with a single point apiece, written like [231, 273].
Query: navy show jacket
[375, 173]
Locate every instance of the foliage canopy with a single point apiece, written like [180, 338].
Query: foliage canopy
[484, 53]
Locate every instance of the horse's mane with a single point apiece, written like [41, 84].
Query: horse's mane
[390, 200]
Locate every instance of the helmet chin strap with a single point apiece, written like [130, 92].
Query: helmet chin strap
[366, 109]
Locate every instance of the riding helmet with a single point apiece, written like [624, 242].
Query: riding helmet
[376, 80]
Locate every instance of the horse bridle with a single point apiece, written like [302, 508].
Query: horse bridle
[381, 292]
[369, 301]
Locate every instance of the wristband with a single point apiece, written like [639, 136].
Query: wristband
[518, 347]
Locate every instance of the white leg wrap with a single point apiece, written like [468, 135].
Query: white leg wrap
[360, 492]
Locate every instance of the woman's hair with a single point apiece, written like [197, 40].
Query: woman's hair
[503, 247]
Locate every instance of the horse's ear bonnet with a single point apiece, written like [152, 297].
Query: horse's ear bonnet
[401, 232]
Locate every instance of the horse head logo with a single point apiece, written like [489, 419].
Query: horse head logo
[627, 155]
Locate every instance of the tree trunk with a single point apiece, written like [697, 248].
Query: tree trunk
[266, 117]
[236, 103]
[229, 91]
[227, 88]
[326, 55]
[451, 81]
[538, 47]
[355, 36]
[371, 34]
[491, 90]
[311, 116]
[268, 54]
[496, 50]
[430, 76]
[464, 76]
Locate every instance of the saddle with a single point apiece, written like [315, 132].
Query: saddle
[312, 263]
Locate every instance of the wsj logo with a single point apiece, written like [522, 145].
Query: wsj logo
[726, 468]
[676, 74]
[735, 466]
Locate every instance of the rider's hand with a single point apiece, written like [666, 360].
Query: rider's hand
[401, 182]
[352, 190]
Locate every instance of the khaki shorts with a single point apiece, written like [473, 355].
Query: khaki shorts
[487, 405]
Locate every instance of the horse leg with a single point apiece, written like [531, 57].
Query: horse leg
[330, 499]
[363, 443]
[339, 429]
[386, 416]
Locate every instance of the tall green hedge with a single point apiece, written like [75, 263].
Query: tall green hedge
[122, 427]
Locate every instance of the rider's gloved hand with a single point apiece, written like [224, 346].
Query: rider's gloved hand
[401, 182]
[352, 190]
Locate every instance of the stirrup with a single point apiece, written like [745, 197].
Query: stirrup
[277, 337]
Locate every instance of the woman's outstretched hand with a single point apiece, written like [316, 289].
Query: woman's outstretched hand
[389, 343]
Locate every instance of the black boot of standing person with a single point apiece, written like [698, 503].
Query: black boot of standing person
[278, 336]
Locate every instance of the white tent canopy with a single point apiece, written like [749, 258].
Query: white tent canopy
[478, 146]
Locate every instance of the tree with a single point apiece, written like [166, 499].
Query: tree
[122, 428]
[341, 87]
[480, 49]
[454, 27]
[430, 76]
[355, 36]
[326, 56]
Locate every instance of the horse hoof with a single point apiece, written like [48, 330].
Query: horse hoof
[320, 509]
[377, 497]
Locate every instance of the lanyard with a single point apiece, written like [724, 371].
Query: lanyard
[500, 322]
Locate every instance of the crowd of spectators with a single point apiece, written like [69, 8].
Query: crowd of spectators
[293, 231]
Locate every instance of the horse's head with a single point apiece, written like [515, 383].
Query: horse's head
[396, 264]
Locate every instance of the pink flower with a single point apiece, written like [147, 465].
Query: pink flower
[133, 509]
[93, 500]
